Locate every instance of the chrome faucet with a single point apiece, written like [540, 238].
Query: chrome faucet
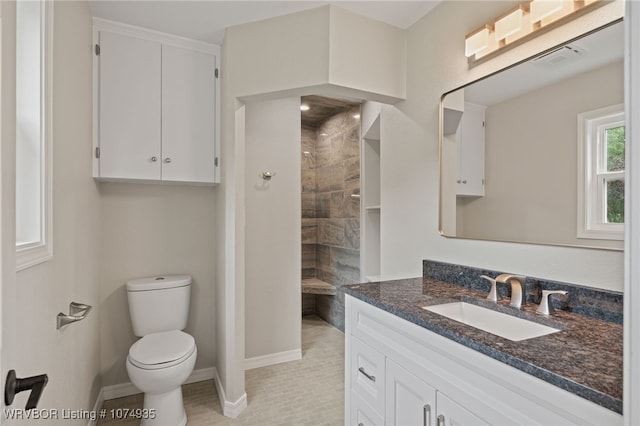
[545, 307]
[518, 291]
[493, 295]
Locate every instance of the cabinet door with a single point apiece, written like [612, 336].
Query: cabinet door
[451, 413]
[129, 107]
[188, 115]
[367, 373]
[471, 151]
[409, 401]
[362, 414]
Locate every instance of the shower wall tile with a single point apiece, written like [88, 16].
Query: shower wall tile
[343, 205]
[351, 234]
[323, 150]
[330, 178]
[308, 180]
[308, 205]
[330, 232]
[309, 136]
[309, 231]
[308, 259]
[308, 304]
[348, 263]
[323, 205]
[326, 275]
[352, 171]
[308, 273]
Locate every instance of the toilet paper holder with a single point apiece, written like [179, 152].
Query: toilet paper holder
[77, 312]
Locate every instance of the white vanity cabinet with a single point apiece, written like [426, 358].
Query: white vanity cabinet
[471, 147]
[156, 107]
[431, 380]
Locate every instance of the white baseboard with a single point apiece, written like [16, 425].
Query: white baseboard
[229, 408]
[126, 389]
[271, 359]
[96, 408]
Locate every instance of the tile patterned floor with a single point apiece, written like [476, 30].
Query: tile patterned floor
[308, 392]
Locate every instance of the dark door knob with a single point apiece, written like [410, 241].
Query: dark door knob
[13, 385]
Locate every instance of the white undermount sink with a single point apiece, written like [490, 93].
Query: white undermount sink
[498, 323]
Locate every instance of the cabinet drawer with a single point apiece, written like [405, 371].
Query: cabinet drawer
[367, 373]
[362, 414]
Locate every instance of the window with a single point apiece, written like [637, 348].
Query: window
[33, 132]
[601, 149]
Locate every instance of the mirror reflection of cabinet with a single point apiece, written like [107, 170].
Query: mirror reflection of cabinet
[470, 182]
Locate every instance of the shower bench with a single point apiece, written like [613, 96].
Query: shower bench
[315, 286]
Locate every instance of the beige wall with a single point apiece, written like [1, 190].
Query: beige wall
[533, 174]
[148, 230]
[273, 219]
[436, 64]
[69, 356]
[366, 55]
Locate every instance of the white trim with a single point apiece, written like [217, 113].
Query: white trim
[632, 215]
[271, 359]
[590, 224]
[126, 389]
[147, 34]
[229, 408]
[96, 408]
[35, 253]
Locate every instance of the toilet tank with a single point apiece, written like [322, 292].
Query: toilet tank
[159, 303]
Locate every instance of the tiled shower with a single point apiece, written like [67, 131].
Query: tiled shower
[330, 204]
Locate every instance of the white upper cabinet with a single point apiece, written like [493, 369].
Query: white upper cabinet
[188, 115]
[156, 107]
[129, 104]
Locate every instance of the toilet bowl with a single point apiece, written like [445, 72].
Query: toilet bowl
[158, 364]
[164, 357]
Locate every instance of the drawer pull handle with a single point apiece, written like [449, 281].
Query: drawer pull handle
[372, 378]
[440, 420]
[426, 415]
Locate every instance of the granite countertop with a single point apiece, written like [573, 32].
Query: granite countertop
[585, 358]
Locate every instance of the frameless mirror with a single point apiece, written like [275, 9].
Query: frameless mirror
[524, 152]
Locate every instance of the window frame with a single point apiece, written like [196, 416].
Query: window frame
[36, 252]
[592, 174]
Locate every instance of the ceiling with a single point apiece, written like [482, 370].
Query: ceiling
[596, 49]
[321, 108]
[206, 20]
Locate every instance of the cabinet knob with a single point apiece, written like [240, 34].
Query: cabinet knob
[167, 160]
[154, 159]
[464, 181]
[458, 181]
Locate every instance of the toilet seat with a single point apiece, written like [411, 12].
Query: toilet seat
[161, 350]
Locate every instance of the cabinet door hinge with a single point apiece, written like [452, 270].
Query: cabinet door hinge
[97, 50]
[215, 162]
[97, 152]
[217, 73]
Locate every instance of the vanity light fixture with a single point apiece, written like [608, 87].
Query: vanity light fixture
[477, 41]
[304, 107]
[511, 23]
[523, 23]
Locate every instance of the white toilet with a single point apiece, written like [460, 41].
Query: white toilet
[160, 362]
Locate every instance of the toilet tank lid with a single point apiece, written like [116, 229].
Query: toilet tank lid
[158, 283]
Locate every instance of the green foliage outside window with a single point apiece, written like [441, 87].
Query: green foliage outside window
[615, 162]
